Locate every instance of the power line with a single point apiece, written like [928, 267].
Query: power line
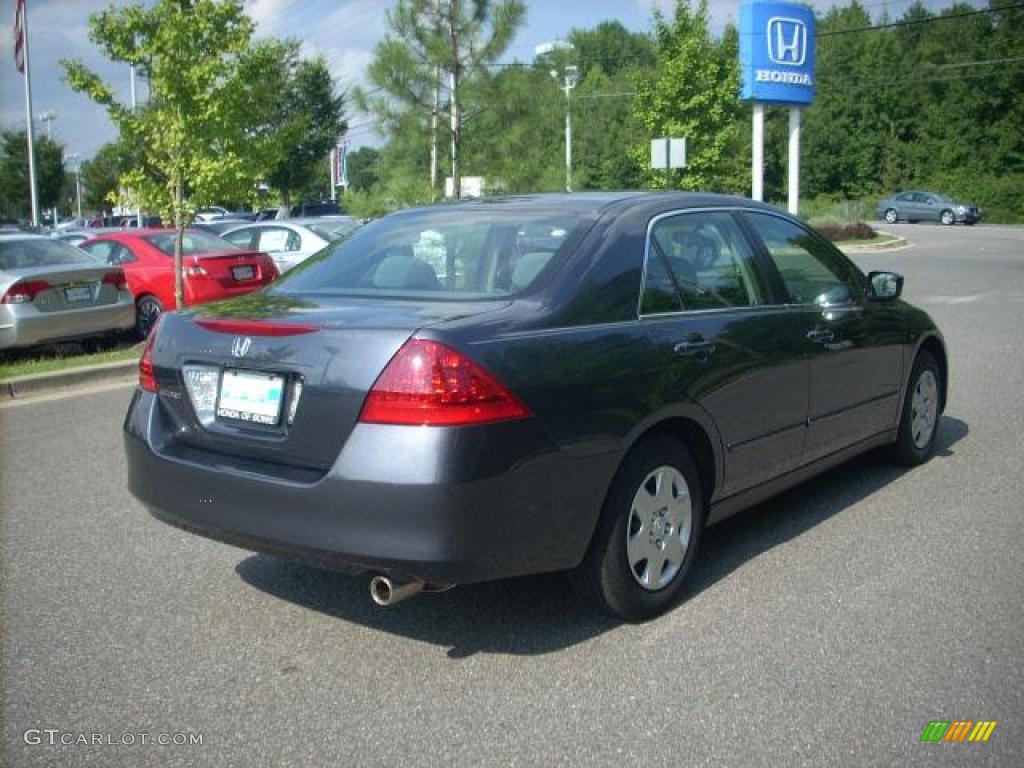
[913, 22]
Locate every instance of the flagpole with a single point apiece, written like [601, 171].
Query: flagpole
[28, 118]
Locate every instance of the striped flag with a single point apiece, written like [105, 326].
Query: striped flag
[19, 35]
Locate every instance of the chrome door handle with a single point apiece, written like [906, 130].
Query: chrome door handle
[820, 334]
[694, 348]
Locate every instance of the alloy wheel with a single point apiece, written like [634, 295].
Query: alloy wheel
[924, 408]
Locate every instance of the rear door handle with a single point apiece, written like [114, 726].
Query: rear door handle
[823, 335]
[697, 347]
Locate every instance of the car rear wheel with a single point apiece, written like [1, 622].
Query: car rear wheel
[648, 533]
[919, 422]
[147, 310]
[890, 216]
[947, 218]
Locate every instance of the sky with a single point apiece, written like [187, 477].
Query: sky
[343, 31]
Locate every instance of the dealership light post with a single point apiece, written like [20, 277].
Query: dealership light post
[777, 65]
[570, 76]
[77, 158]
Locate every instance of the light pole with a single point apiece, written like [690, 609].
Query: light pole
[78, 181]
[570, 75]
[48, 117]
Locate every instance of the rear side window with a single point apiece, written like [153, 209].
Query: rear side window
[457, 253]
[706, 258]
[244, 238]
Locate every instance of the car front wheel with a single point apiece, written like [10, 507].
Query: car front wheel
[947, 218]
[890, 216]
[648, 533]
[919, 422]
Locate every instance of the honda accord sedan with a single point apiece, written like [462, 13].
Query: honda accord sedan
[580, 382]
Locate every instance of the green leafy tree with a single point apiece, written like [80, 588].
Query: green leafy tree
[206, 130]
[101, 178]
[433, 45]
[310, 115]
[14, 177]
[692, 93]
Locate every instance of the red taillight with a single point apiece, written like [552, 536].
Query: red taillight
[428, 383]
[147, 375]
[22, 293]
[254, 327]
[116, 279]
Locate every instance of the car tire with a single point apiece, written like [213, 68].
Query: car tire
[147, 310]
[614, 570]
[919, 421]
[947, 218]
[891, 216]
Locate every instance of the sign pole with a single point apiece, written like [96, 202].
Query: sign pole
[757, 164]
[794, 160]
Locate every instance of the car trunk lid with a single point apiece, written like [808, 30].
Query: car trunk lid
[281, 379]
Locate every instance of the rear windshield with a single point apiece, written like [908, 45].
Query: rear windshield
[333, 230]
[192, 242]
[30, 253]
[448, 254]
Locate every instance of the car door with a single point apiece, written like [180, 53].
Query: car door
[854, 345]
[726, 343]
[904, 205]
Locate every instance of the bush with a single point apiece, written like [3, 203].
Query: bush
[841, 232]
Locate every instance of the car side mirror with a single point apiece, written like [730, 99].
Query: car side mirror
[885, 286]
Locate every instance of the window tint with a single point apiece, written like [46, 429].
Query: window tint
[810, 270]
[32, 252]
[192, 242]
[660, 294]
[457, 253]
[707, 257]
[243, 238]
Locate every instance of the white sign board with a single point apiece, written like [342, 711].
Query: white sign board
[472, 186]
[668, 153]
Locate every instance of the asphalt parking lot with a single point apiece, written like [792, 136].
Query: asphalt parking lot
[825, 627]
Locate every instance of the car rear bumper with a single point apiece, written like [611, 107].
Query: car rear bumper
[22, 325]
[445, 506]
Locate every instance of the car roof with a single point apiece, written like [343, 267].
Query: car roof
[9, 236]
[599, 202]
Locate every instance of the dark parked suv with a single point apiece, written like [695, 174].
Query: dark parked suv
[488, 389]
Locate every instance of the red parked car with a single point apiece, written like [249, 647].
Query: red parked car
[214, 268]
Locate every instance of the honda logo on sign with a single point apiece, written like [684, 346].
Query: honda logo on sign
[787, 41]
[240, 346]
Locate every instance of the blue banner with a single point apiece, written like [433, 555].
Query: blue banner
[777, 52]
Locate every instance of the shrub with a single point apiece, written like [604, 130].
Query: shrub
[840, 232]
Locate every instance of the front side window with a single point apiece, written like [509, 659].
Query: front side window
[811, 272]
[458, 253]
[706, 258]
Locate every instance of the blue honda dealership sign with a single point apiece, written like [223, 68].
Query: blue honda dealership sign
[777, 52]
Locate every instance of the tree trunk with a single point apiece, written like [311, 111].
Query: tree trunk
[456, 124]
[179, 226]
[284, 209]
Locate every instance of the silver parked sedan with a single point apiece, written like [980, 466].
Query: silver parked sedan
[51, 291]
[291, 241]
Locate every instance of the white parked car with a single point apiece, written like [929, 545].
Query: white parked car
[291, 241]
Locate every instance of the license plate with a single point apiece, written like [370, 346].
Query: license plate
[243, 273]
[250, 396]
[78, 293]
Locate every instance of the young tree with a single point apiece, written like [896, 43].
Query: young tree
[436, 44]
[693, 93]
[50, 174]
[206, 129]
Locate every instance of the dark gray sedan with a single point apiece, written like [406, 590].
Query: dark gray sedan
[483, 390]
[926, 206]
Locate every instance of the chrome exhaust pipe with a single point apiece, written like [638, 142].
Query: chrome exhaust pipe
[385, 591]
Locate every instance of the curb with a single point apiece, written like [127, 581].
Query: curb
[41, 383]
[890, 245]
